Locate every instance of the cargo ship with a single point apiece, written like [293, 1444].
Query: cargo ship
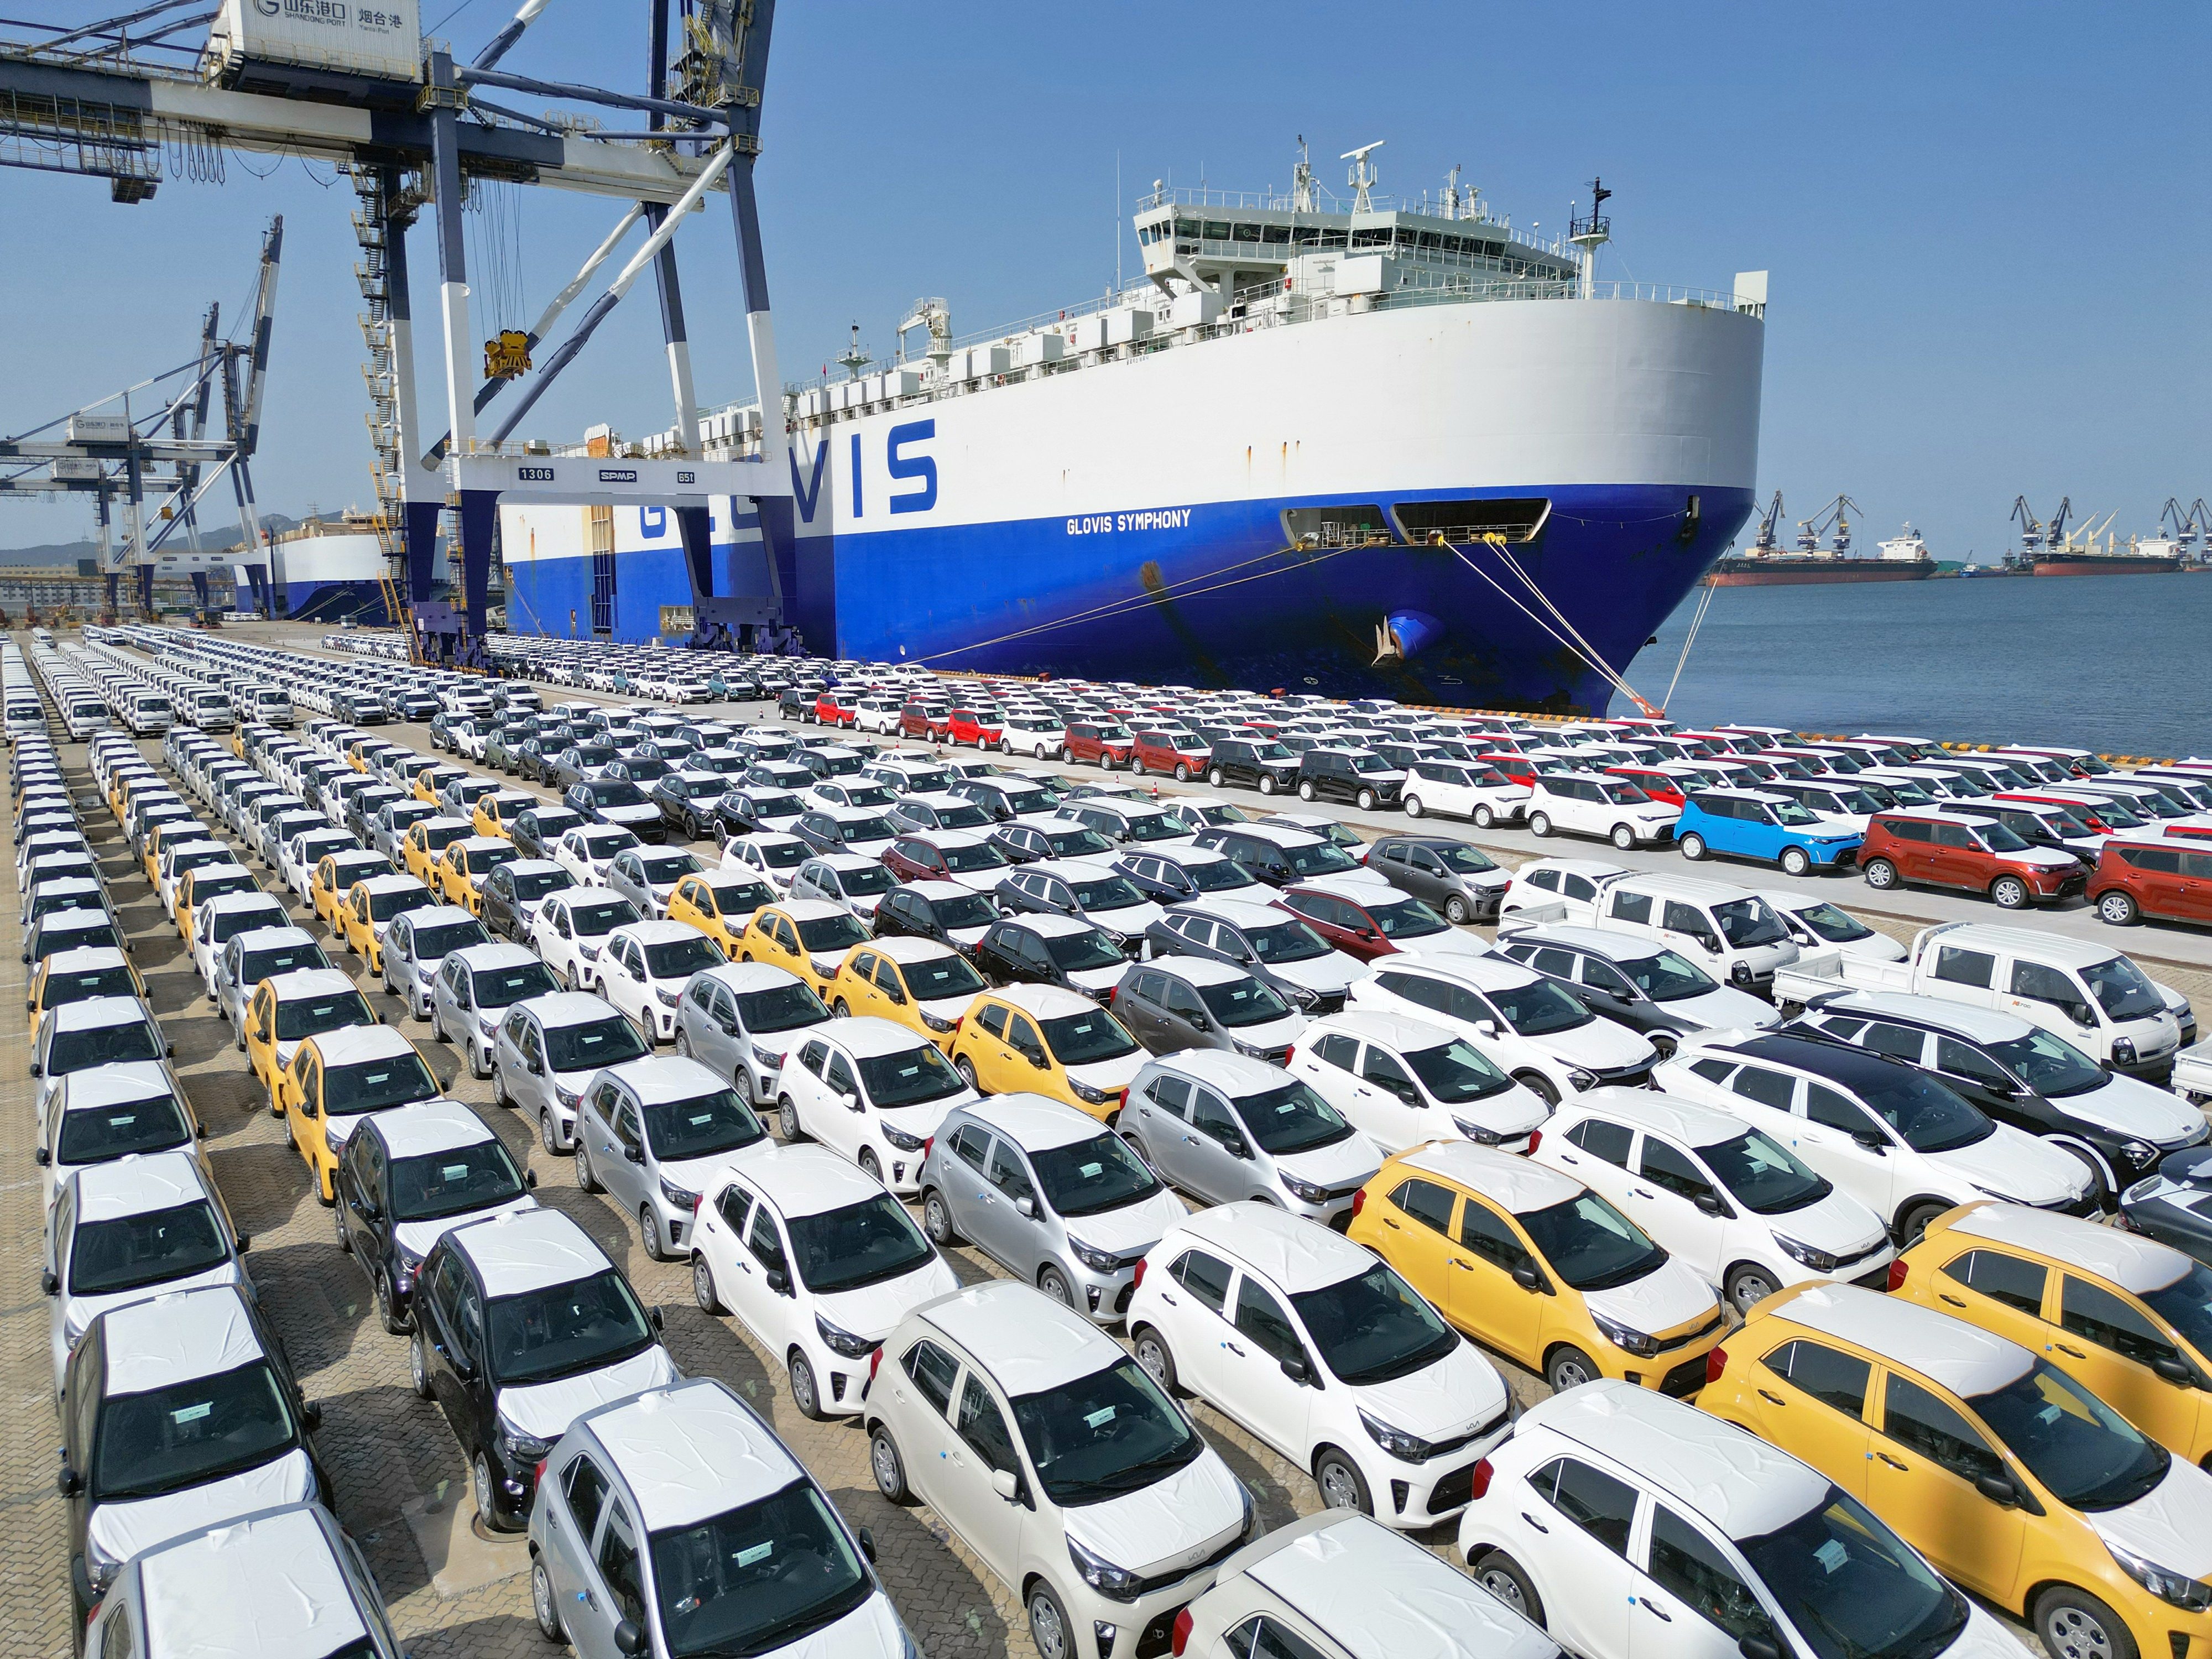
[1903, 558]
[324, 569]
[1353, 446]
[2141, 555]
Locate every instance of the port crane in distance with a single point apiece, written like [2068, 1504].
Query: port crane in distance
[1809, 531]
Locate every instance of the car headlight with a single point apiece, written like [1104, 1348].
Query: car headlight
[99, 1566]
[2139, 1154]
[1475, 1133]
[1115, 1584]
[332, 1138]
[767, 1057]
[682, 1198]
[826, 968]
[1818, 1260]
[1630, 1341]
[519, 1450]
[1096, 1097]
[488, 1025]
[667, 995]
[1252, 1050]
[1098, 1260]
[1741, 972]
[2168, 1585]
[568, 1098]
[841, 1341]
[1581, 1078]
[1299, 995]
[1305, 1191]
[1411, 1448]
[902, 1141]
[2123, 1051]
[936, 1024]
[589, 952]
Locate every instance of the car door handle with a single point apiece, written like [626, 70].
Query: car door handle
[1535, 1523]
[1233, 1348]
[1772, 1399]
[1892, 1462]
[2073, 1352]
[1650, 1606]
[1639, 1192]
[1169, 1300]
[1954, 1301]
[1190, 1140]
[1392, 1225]
[1569, 1158]
[1464, 1266]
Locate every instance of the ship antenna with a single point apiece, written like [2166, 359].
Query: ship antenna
[1302, 185]
[854, 359]
[1451, 193]
[1591, 234]
[1363, 178]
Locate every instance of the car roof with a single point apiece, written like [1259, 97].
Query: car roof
[1400, 1031]
[137, 1182]
[498, 954]
[1198, 970]
[1034, 1122]
[1294, 1254]
[1512, 1181]
[1928, 815]
[1234, 1074]
[1732, 1478]
[288, 931]
[179, 1335]
[429, 1126]
[1046, 924]
[1484, 972]
[1044, 1001]
[905, 948]
[1667, 1115]
[1593, 869]
[433, 915]
[656, 1079]
[658, 932]
[1603, 942]
[96, 1011]
[690, 1451]
[2132, 1261]
[742, 977]
[2023, 942]
[352, 1043]
[1963, 1358]
[209, 1592]
[1694, 888]
[1027, 1341]
[807, 1180]
[1981, 1025]
[387, 884]
[521, 1250]
[559, 1008]
[1769, 797]
[113, 1083]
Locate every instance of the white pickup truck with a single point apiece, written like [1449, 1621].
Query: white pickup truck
[2090, 994]
[2192, 1072]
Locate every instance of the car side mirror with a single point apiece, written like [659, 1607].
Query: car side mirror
[1040, 1062]
[244, 1242]
[629, 1640]
[634, 1154]
[1026, 1206]
[1710, 1201]
[49, 1283]
[1237, 1147]
[1526, 1276]
[1298, 1368]
[37, 1070]
[1872, 1140]
[1006, 1484]
[68, 1482]
[536, 1067]
[1488, 1028]
[41, 1157]
[1998, 1489]
[2082, 1015]
[779, 1281]
[1759, 1647]
[1199, 1021]
[529, 1179]
[311, 1413]
[2174, 1368]
[728, 1027]
[659, 1317]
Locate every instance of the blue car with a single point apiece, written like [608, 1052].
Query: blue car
[1752, 823]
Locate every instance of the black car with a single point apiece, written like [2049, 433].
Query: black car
[778, 775]
[381, 1188]
[1265, 942]
[830, 762]
[639, 768]
[511, 886]
[1006, 798]
[619, 802]
[532, 754]
[1276, 855]
[2174, 1207]
[750, 810]
[1028, 841]
[686, 801]
[934, 909]
[830, 832]
[1170, 875]
[576, 762]
[1050, 950]
[796, 703]
[537, 830]
[1462, 882]
[1358, 775]
[1255, 761]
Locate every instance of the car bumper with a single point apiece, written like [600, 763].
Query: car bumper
[1104, 1297]
[1414, 1494]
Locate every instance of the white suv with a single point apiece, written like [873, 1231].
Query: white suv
[1401, 1081]
[1612, 809]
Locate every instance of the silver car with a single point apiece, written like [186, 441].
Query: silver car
[1050, 1193]
[547, 1051]
[849, 879]
[741, 1021]
[475, 987]
[645, 876]
[652, 1133]
[260, 953]
[417, 942]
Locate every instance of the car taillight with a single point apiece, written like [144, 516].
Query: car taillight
[1290, 1054]
[1137, 1283]
[698, 1203]
[1480, 1476]
[1535, 1140]
[926, 1145]
[1359, 1200]
[875, 1363]
[1897, 1272]
[1107, 1000]
[540, 1475]
[1180, 1634]
[1716, 1363]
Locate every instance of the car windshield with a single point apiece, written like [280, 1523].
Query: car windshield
[1589, 1243]
[586, 1048]
[1155, 826]
[1538, 1008]
[1748, 921]
[763, 1575]
[1766, 1178]
[864, 829]
[865, 881]
[97, 1134]
[2048, 1065]
[2072, 1442]
[560, 1329]
[836, 932]
[154, 1246]
[2186, 1305]
[2121, 991]
[190, 1433]
[1826, 922]
[434, 942]
[771, 804]
[1105, 893]
[368, 1085]
[1461, 859]
[1287, 941]
[1216, 875]
[859, 1245]
[397, 901]
[703, 1127]
[1076, 843]
[1926, 1113]
[615, 791]
[1241, 1002]
[936, 977]
[590, 918]
[1104, 1435]
[548, 825]
[1318, 858]
[665, 868]
[680, 958]
[1374, 1329]
[962, 859]
[1289, 1119]
[1667, 977]
[1852, 1588]
[1091, 1176]
[1999, 839]
[740, 898]
[912, 1077]
[594, 754]
[642, 769]
[1074, 953]
[1455, 1072]
[435, 1185]
[102, 1045]
[1086, 1038]
[867, 795]
[780, 1008]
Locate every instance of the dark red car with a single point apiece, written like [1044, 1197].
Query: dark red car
[1363, 922]
[966, 723]
[924, 720]
[1100, 743]
[959, 855]
[1175, 752]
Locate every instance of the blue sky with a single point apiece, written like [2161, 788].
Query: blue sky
[1991, 248]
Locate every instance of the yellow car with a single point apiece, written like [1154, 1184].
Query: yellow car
[496, 813]
[335, 875]
[718, 904]
[1531, 1262]
[178, 831]
[426, 840]
[806, 937]
[66, 976]
[2127, 1317]
[464, 864]
[2008, 1475]
[404, 769]
[286, 1009]
[238, 742]
[338, 1079]
[369, 907]
[1046, 1040]
[358, 750]
[917, 982]
[196, 886]
[431, 779]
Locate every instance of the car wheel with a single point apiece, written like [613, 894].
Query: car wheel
[1053, 1283]
[1048, 1625]
[480, 1489]
[2115, 907]
[1538, 1085]
[586, 1177]
[885, 1464]
[1342, 1485]
[418, 1365]
[1693, 847]
[966, 1067]
[2074, 1625]
[1796, 861]
[1364, 800]
[1914, 1226]
[787, 1118]
[1067, 755]
[840, 1010]
[1540, 824]
[1215, 776]
[1881, 874]
[1749, 1286]
[648, 1232]
[1152, 1354]
[387, 1310]
[683, 1044]
[543, 1604]
[339, 1226]
[871, 1166]
[805, 1393]
[1624, 837]
[1413, 806]
[1457, 912]
[1267, 783]
[1305, 789]
[1504, 1578]
[937, 1219]
[1484, 818]
[1570, 1368]
[2009, 893]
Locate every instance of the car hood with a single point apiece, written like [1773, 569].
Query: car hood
[1343, 1164]
[1600, 1045]
[544, 1411]
[1111, 1073]
[1672, 1295]
[2130, 1106]
[874, 1310]
[1724, 1008]
[1268, 1034]
[968, 937]
[1168, 1526]
[1509, 1113]
[1837, 1224]
[2169, 1525]
[1093, 981]
[1331, 975]
[1831, 826]
[123, 1529]
[698, 1173]
[640, 813]
[1983, 1638]
[2015, 1165]
[416, 1238]
[1127, 922]
[871, 1630]
[1459, 1392]
[1450, 943]
[1134, 1228]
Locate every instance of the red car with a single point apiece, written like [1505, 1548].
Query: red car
[2139, 876]
[1361, 920]
[1177, 752]
[1925, 846]
[925, 720]
[1652, 781]
[967, 723]
[836, 708]
[1100, 743]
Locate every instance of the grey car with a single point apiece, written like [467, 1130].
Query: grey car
[1272, 945]
[740, 1021]
[388, 831]
[475, 985]
[547, 1049]
[278, 831]
[650, 1134]
[857, 882]
[1193, 1002]
[1049, 1193]
[1463, 882]
[417, 942]
[1229, 1129]
[645, 876]
[248, 958]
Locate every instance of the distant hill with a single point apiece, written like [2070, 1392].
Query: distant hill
[63, 554]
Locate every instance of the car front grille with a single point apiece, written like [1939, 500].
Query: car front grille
[1454, 1490]
[1686, 1379]
[1446, 1448]
[1673, 1343]
[1879, 1243]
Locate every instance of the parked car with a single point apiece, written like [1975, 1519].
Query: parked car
[1174, 1003]
[547, 1051]
[1762, 825]
[1610, 809]
[742, 1020]
[658, 1135]
[1644, 986]
[1462, 882]
[1926, 847]
[2164, 880]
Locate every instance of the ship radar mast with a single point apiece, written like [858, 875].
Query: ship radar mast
[1363, 177]
[1301, 184]
[1589, 234]
[855, 357]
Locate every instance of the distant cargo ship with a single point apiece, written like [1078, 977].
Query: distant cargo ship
[1903, 558]
[327, 569]
[2145, 555]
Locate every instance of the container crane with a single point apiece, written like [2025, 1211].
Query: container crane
[1809, 531]
[2031, 527]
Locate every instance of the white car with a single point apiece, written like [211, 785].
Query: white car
[1611, 809]
[871, 1090]
[1463, 789]
[1728, 1199]
[1039, 735]
[570, 929]
[1814, 924]
[218, 920]
[588, 851]
[1887, 1133]
[109, 1113]
[819, 1263]
[877, 714]
[772, 855]
[1717, 1499]
[1057, 1460]
[1559, 890]
[305, 851]
[1318, 1347]
[643, 969]
[647, 875]
[1401, 1080]
[1529, 1026]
